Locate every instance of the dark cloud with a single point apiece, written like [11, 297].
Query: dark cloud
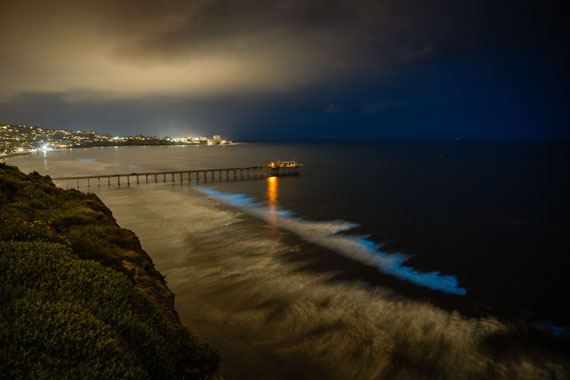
[98, 52]
[133, 48]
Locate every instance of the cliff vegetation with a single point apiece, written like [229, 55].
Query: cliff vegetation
[79, 298]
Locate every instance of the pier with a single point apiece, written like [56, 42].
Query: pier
[181, 176]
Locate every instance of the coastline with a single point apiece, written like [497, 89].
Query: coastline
[17, 154]
[14, 154]
[254, 318]
[68, 229]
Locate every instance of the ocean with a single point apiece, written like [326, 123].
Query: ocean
[380, 260]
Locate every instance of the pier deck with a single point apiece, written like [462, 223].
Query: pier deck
[179, 175]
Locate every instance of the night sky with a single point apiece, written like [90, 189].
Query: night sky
[289, 69]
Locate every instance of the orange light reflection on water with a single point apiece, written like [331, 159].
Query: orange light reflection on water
[272, 201]
[272, 192]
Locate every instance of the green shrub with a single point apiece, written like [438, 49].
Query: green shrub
[70, 307]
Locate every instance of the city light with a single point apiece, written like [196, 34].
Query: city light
[22, 139]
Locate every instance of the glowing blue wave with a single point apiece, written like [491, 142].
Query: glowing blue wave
[326, 234]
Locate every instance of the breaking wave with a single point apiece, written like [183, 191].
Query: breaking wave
[273, 320]
[327, 234]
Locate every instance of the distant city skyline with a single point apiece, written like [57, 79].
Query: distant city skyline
[27, 138]
[288, 70]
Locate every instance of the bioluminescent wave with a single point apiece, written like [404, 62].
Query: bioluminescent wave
[326, 234]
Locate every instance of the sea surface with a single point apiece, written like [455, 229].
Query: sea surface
[380, 260]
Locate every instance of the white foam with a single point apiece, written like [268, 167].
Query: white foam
[327, 234]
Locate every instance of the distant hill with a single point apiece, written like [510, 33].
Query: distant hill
[79, 298]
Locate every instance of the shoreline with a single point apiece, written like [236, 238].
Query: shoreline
[16, 154]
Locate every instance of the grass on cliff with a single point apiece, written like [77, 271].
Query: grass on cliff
[79, 298]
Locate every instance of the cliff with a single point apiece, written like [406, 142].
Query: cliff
[79, 297]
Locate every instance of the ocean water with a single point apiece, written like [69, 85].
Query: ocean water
[381, 260]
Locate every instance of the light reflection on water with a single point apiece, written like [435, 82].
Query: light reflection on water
[272, 192]
[272, 183]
